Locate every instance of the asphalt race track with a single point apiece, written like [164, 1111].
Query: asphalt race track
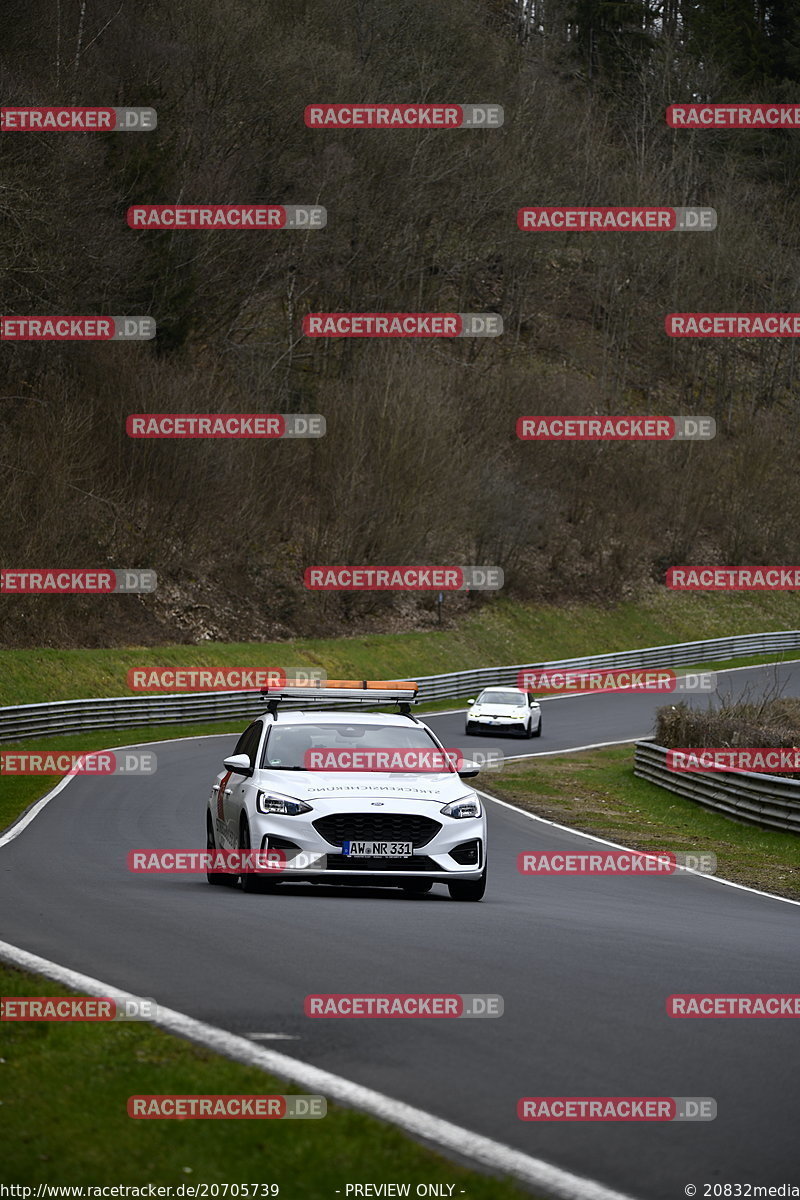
[584, 965]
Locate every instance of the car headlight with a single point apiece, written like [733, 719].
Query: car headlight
[467, 806]
[267, 803]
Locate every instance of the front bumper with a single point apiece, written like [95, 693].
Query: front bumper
[501, 724]
[434, 859]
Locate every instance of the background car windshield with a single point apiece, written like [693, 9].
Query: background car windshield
[503, 698]
[287, 744]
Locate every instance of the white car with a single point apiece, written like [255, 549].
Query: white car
[504, 710]
[393, 828]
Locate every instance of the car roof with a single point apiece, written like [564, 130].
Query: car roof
[504, 687]
[329, 717]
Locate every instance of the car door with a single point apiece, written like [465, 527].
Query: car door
[235, 798]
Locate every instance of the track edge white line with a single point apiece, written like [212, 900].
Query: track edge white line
[459, 1143]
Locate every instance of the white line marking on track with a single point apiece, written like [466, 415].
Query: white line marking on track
[573, 749]
[453, 1139]
[618, 846]
[15, 829]
[274, 1037]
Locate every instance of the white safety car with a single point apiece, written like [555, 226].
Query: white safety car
[504, 710]
[385, 826]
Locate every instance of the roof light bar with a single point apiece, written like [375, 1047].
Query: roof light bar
[355, 691]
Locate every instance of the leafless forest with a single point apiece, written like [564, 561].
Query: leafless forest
[421, 463]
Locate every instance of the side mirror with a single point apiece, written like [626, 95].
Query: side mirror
[533, 701]
[468, 770]
[238, 763]
[470, 702]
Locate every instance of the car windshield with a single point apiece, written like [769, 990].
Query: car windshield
[503, 698]
[286, 745]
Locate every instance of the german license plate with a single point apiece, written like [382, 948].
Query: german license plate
[377, 849]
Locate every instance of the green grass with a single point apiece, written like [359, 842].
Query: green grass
[65, 1085]
[499, 633]
[597, 792]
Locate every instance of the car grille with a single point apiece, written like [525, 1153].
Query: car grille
[374, 866]
[377, 827]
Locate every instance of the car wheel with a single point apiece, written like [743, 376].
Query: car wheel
[468, 889]
[469, 727]
[218, 878]
[538, 728]
[416, 887]
[251, 882]
[529, 733]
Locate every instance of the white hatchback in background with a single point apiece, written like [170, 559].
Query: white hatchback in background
[504, 710]
[391, 828]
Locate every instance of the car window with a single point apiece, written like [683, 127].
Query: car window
[515, 698]
[248, 742]
[287, 744]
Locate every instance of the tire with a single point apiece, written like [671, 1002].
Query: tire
[251, 882]
[468, 729]
[217, 878]
[538, 728]
[468, 889]
[416, 887]
[529, 733]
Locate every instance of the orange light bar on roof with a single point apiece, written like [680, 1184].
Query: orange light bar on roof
[366, 684]
[375, 690]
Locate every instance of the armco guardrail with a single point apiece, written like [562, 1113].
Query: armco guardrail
[126, 712]
[765, 800]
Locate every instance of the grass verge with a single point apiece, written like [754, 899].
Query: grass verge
[597, 792]
[499, 633]
[74, 1129]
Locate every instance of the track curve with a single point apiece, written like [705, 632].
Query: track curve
[584, 964]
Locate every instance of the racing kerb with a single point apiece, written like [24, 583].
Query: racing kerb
[21, 721]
